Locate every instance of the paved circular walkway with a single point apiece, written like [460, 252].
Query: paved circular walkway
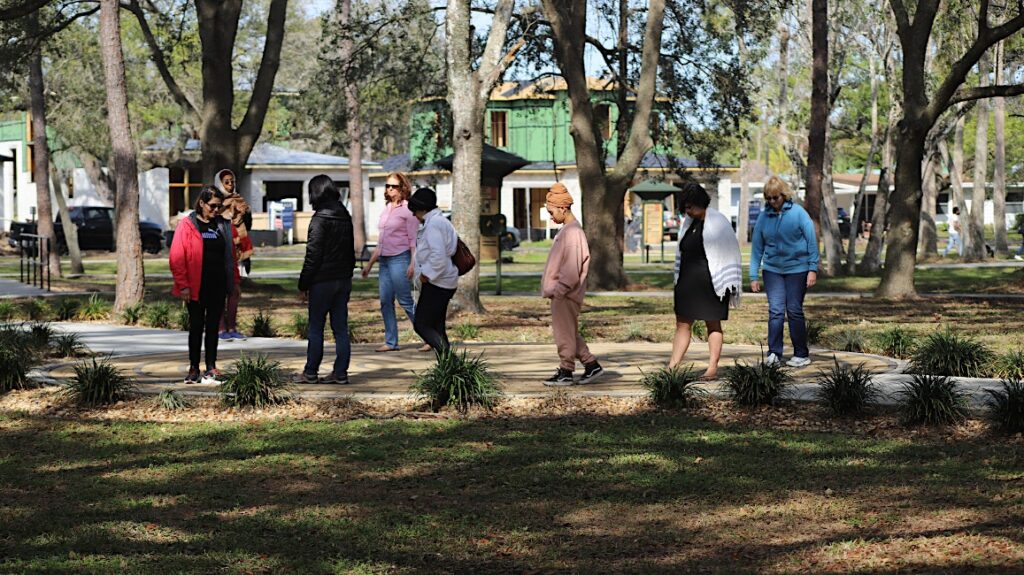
[521, 367]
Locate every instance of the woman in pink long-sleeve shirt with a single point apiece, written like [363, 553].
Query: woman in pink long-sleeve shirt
[396, 247]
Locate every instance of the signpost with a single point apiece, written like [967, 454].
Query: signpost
[654, 229]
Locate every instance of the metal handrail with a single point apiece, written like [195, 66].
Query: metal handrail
[34, 266]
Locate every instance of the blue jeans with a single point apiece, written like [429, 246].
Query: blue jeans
[954, 240]
[394, 283]
[329, 297]
[786, 298]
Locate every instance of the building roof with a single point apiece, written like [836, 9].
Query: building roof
[496, 162]
[651, 160]
[544, 88]
[269, 155]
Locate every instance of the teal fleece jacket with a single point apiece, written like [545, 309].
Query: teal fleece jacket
[784, 242]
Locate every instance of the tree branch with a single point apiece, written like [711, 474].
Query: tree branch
[161, 63]
[980, 93]
[22, 10]
[249, 129]
[900, 12]
[492, 64]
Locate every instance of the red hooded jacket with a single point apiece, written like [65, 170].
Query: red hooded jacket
[187, 257]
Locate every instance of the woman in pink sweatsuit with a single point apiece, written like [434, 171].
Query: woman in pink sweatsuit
[565, 283]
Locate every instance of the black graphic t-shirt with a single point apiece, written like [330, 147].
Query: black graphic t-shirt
[213, 257]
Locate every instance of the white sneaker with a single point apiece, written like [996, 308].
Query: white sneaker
[772, 359]
[798, 361]
[1017, 257]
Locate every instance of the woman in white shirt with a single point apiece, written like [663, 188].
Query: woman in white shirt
[435, 245]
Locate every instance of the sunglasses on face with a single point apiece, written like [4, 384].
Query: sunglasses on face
[772, 198]
[395, 186]
[217, 206]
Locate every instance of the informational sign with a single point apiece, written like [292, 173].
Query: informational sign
[288, 217]
[753, 211]
[654, 225]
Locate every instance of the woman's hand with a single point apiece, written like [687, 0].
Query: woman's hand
[183, 294]
[812, 278]
[411, 271]
[755, 286]
[366, 269]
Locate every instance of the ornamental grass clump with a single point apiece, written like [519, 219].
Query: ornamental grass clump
[815, 332]
[458, 380]
[158, 315]
[99, 382]
[263, 325]
[673, 387]
[131, 314]
[932, 400]
[96, 308]
[7, 310]
[171, 400]
[466, 331]
[183, 320]
[1010, 365]
[300, 325]
[846, 390]
[40, 334]
[699, 330]
[38, 310]
[946, 353]
[1006, 406]
[14, 368]
[67, 309]
[255, 381]
[849, 339]
[754, 384]
[68, 345]
[896, 341]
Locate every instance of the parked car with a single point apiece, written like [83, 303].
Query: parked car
[95, 230]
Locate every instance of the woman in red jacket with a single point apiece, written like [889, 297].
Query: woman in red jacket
[205, 269]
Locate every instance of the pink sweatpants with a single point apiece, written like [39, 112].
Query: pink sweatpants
[565, 315]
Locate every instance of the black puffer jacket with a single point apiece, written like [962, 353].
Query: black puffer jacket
[330, 251]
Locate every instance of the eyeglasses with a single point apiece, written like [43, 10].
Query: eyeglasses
[395, 186]
[772, 198]
[217, 206]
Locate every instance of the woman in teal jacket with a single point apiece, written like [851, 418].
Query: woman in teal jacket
[785, 252]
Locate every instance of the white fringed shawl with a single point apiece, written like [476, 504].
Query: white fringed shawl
[723, 253]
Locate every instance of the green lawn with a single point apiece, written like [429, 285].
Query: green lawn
[646, 493]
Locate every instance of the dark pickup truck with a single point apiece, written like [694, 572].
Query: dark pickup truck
[95, 230]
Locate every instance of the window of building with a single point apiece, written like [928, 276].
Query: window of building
[499, 129]
[183, 184]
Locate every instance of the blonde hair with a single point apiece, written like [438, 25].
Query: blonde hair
[775, 187]
[404, 185]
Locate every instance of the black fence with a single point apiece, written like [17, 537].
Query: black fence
[34, 266]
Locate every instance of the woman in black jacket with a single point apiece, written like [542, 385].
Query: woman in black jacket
[326, 279]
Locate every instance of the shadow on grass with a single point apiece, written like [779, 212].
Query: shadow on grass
[653, 493]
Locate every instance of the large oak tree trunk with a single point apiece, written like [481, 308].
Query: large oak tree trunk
[927, 243]
[901, 239]
[130, 273]
[41, 161]
[354, 131]
[999, 177]
[816, 137]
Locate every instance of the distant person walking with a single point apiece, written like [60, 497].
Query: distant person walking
[565, 283]
[708, 275]
[205, 271]
[785, 251]
[236, 210]
[953, 228]
[436, 241]
[326, 280]
[396, 247]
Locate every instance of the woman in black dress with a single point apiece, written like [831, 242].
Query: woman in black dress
[708, 275]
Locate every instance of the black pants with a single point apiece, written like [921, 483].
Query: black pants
[431, 313]
[204, 316]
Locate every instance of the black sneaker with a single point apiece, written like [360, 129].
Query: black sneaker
[561, 378]
[333, 379]
[590, 372]
[193, 375]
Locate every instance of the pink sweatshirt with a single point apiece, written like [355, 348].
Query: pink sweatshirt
[565, 274]
[396, 229]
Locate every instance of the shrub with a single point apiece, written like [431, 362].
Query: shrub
[99, 382]
[38, 310]
[459, 381]
[40, 335]
[849, 339]
[896, 341]
[14, 368]
[673, 386]
[465, 331]
[300, 325]
[255, 382]
[699, 330]
[815, 332]
[67, 309]
[263, 325]
[183, 320]
[158, 315]
[932, 400]
[131, 314]
[7, 310]
[96, 308]
[1006, 406]
[636, 332]
[946, 353]
[1010, 365]
[68, 345]
[754, 384]
[16, 339]
[171, 400]
[846, 390]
